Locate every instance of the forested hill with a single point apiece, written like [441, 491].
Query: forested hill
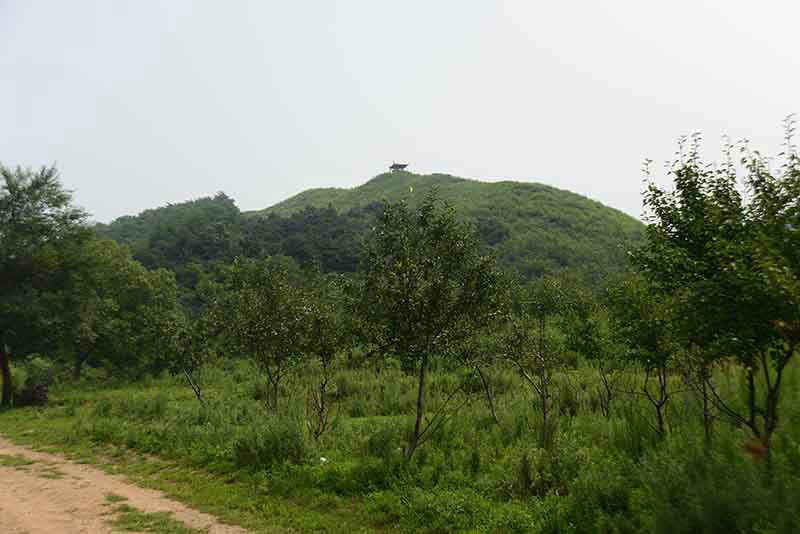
[533, 228]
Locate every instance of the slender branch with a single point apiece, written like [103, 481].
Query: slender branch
[527, 377]
[440, 422]
[438, 412]
[720, 404]
[784, 363]
[765, 368]
[645, 389]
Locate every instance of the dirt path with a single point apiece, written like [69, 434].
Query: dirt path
[45, 494]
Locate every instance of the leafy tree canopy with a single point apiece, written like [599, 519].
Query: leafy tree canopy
[38, 227]
[426, 287]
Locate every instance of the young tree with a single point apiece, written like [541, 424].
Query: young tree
[330, 331]
[481, 353]
[262, 315]
[37, 222]
[426, 286]
[732, 261]
[643, 320]
[531, 346]
[188, 345]
[586, 329]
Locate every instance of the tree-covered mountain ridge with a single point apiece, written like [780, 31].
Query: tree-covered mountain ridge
[533, 229]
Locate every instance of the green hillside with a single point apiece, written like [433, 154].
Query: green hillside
[534, 228]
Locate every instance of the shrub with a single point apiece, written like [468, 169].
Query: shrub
[144, 407]
[384, 443]
[686, 489]
[30, 382]
[360, 478]
[277, 440]
[18, 378]
[441, 511]
[104, 407]
[358, 408]
[346, 386]
[568, 398]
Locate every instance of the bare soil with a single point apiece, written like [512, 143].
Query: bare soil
[53, 495]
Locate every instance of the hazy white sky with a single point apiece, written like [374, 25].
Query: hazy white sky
[142, 102]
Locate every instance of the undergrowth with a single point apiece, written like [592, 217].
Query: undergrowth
[594, 474]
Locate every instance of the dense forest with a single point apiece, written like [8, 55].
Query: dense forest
[425, 353]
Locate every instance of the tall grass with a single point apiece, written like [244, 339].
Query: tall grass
[584, 473]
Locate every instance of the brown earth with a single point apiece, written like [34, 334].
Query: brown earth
[55, 496]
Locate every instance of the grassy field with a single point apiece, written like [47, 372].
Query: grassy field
[584, 473]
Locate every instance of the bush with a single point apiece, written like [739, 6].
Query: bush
[358, 408]
[18, 378]
[40, 370]
[598, 500]
[685, 489]
[439, 511]
[138, 406]
[145, 407]
[277, 440]
[359, 478]
[30, 382]
[384, 443]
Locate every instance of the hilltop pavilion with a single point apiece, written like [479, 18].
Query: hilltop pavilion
[394, 167]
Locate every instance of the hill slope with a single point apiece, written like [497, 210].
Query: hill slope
[533, 228]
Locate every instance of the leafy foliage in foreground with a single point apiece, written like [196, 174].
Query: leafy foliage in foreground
[68, 294]
[728, 264]
[426, 288]
[39, 232]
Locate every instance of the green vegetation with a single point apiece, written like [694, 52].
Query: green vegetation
[426, 288]
[241, 461]
[39, 232]
[431, 391]
[129, 519]
[533, 229]
[7, 460]
[51, 472]
[67, 293]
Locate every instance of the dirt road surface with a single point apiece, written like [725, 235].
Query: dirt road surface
[55, 496]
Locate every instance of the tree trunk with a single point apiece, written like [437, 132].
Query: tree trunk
[423, 371]
[751, 401]
[659, 403]
[770, 413]
[320, 407]
[545, 397]
[196, 388]
[706, 409]
[5, 370]
[487, 388]
[664, 396]
[275, 395]
[76, 371]
[606, 395]
[273, 381]
[660, 417]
